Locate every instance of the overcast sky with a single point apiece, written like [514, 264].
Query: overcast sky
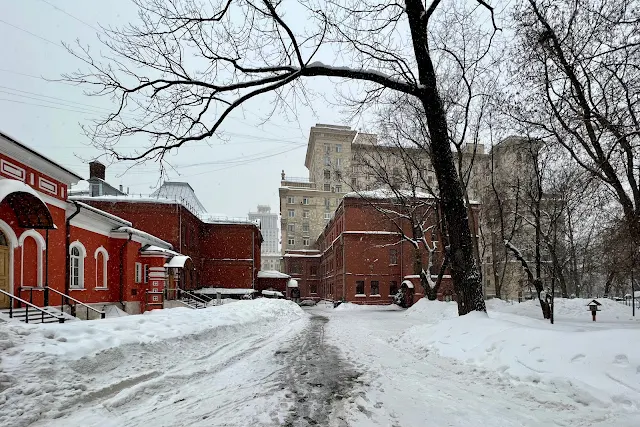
[226, 176]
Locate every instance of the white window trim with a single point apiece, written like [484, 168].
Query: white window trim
[105, 259]
[137, 275]
[41, 246]
[83, 255]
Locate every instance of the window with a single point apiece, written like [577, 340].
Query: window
[292, 213]
[338, 188]
[96, 190]
[305, 227]
[314, 270]
[327, 148]
[305, 241]
[338, 148]
[338, 162]
[291, 200]
[393, 288]
[327, 174]
[138, 273]
[77, 254]
[327, 187]
[101, 257]
[313, 288]
[305, 200]
[430, 179]
[291, 241]
[375, 287]
[291, 228]
[327, 215]
[327, 161]
[359, 287]
[146, 273]
[305, 214]
[393, 256]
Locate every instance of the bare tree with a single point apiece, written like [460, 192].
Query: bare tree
[187, 65]
[576, 65]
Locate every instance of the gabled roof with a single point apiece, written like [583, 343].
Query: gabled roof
[19, 150]
[181, 192]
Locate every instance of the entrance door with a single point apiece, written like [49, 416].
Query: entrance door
[4, 271]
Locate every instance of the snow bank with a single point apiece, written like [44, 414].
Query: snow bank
[347, 306]
[74, 340]
[425, 311]
[594, 363]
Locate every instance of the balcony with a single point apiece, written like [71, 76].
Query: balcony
[297, 182]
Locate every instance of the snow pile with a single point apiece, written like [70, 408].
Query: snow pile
[425, 311]
[575, 308]
[46, 371]
[594, 364]
[347, 306]
[74, 340]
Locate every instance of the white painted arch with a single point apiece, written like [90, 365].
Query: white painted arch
[41, 245]
[105, 258]
[13, 243]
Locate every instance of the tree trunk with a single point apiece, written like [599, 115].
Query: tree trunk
[544, 305]
[464, 271]
[609, 281]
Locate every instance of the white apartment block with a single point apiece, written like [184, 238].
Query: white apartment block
[270, 249]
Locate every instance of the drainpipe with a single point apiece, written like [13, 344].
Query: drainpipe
[67, 243]
[46, 271]
[122, 248]
[253, 259]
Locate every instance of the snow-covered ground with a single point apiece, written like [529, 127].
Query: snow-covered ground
[167, 368]
[268, 362]
[427, 366]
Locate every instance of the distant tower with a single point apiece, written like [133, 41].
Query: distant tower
[270, 252]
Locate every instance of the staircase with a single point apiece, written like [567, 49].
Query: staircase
[192, 301]
[30, 315]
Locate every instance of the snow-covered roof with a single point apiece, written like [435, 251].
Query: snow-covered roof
[224, 291]
[143, 235]
[177, 261]
[301, 255]
[272, 274]
[107, 215]
[223, 219]
[407, 283]
[182, 193]
[9, 186]
[273, 293]
[385, 193]
[81, 187]
[158, 249]
[293, 283]
[129, 198]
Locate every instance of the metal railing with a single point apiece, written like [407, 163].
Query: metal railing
[64, 300]
[180, 294]
[102, 314]
[13, 299]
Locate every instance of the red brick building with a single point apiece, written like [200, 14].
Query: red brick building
[55, 250]
[361, 256]
[225, 251]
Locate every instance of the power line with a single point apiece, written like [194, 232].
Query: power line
[72, 16]
[33, 34]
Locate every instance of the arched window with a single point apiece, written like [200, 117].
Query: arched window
[102, 256]
[77, 253]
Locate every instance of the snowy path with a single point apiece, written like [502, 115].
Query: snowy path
[404, 389]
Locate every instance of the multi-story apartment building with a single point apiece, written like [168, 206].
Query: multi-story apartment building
[270, 250]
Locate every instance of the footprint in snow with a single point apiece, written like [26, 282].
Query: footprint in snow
[621, 360]
[577, 357]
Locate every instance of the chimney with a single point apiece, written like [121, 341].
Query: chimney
[97, 170]
[121, 188]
